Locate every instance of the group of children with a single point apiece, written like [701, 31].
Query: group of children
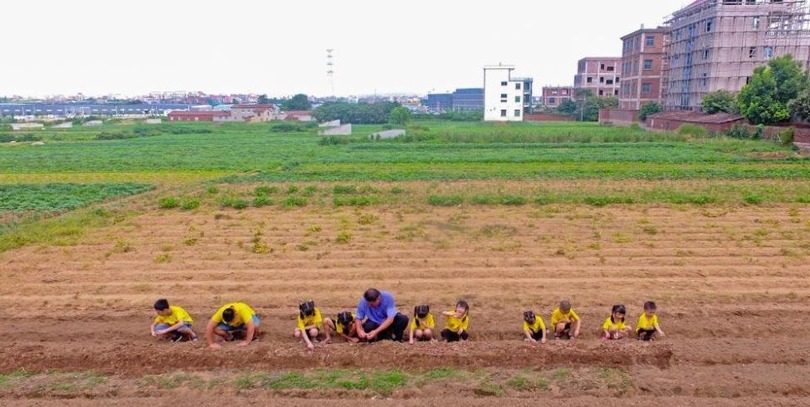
[231, 320]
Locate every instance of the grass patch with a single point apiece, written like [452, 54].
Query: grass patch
[64, 230]
[445, 200]
[62, 197]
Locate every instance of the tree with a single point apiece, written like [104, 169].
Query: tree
[648, 109]
[764, 100]
[297, 102]
[719, 101]
[264, 100]
[800, 107]
[568, 106]
[399, 116]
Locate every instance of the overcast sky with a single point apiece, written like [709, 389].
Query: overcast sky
[102, 47]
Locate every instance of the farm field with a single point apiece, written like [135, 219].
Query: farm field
[715, 231]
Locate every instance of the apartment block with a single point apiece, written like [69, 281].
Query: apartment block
[554, 96]
[716, 44]
[643, 57]
[601, 75]
[503, 95]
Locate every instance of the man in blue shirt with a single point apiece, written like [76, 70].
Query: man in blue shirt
[377, 317]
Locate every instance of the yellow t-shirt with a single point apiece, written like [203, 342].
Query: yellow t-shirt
[646, 323]
[558, 316]
[423, 323]
[538, 325]
[339, 326]
[242, 314]
[178, 314]
[454, 324]
[314, 319]
[610, 324]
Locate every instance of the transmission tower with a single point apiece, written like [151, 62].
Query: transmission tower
[330, 69]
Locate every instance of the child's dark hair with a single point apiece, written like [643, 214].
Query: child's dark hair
[565, 305]
[463, 304]
[228, 314]
[371, 295]
[421, 311]
[649, 305]
[306, 308]
[617, 308]
[529, 316]
[345, 318]
[162, 304]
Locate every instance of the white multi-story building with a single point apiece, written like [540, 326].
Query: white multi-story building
[503, 95]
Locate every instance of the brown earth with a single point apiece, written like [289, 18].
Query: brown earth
[731, 284]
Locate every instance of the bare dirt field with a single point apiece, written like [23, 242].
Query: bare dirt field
[731, 284]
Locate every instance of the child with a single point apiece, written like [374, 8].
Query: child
[615, 327]
[562, 319]
[172, 321]
[648, 323]
[344, 327]
[533, 327]
[423, 324]
[458, 322]
[232, 321]
[310, 324]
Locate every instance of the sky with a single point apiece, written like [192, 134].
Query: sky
[278, 48]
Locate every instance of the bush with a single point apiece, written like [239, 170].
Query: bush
[786, 137]
[648, 109]
[168, 202]
[288, 127]
[739, 131]
[334, 140]
[694, 130]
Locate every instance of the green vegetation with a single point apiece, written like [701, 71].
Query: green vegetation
[60, 197]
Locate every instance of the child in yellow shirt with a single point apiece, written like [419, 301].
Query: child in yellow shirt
[172, 322]
[343, 326]
[565, 321]
[310, 324]
[458, 321]
[533, 327]
[422, 324]
[615, 327]
[647, 325]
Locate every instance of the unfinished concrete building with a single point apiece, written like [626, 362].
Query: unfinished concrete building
[716, 44]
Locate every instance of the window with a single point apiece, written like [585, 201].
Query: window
[756, 23]
[517, 112]
[503, 97]
[650, 40]
[590, 80]
[648, 64]
[616, 92]
[609, 82]
[503, 112]
[705, 54]
[752, 52]
[564, 92]
[517, 86]
[768, 52]
[552, 101]
[517, 99]
[646, 88]
[601, 92]
[601, 79]
[602, 66]
[709, 24]
[705, 79]
[503, 83]
[610, 68]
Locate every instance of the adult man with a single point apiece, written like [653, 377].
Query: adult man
[377, 317]
[233, 321]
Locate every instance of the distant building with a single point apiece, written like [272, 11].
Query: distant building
[439, 102]
[196, 116]
[468, 99]
[600, 75]
[503, 96]
[716, 44]
[642, 62]
[554, 96]
[253, 113]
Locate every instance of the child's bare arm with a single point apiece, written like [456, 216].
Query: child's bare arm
[529, 336]
[658, 328]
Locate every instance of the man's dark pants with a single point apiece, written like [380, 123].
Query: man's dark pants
[394, 332]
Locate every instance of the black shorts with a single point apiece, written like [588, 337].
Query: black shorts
[645, 334]
[537, 336]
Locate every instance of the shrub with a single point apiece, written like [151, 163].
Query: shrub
[786, 137]
[168, 202]
[190, 203]
[648, 109]
[739, 131]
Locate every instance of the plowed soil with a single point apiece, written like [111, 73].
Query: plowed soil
[731, 284]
